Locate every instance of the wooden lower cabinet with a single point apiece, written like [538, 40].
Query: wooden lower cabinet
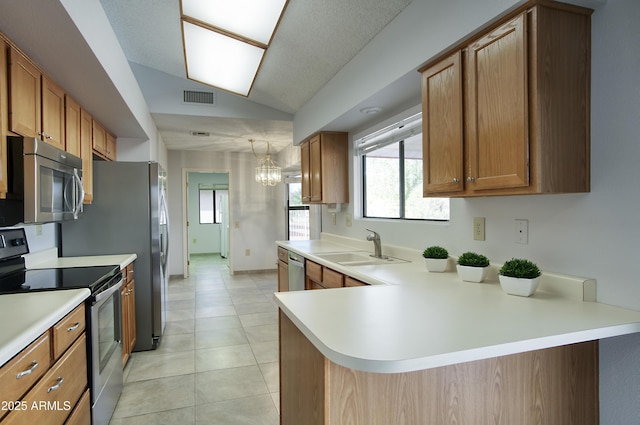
[554, 386]
[57, 393]
[81, 415]
[128, 293]
[283, 270]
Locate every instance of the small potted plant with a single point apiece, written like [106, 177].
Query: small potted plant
[472, 267]
[519, 277]
[436, 258]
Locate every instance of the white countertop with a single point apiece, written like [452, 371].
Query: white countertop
[48, 259]
[417, 320]
[26, 316]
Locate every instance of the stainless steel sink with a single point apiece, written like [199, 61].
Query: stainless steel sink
[358, 258]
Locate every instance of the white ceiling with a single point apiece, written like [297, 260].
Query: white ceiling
[314, 40]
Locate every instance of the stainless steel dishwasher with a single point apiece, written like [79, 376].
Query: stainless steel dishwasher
[296, 272]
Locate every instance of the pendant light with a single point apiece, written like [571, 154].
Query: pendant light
[267, 172]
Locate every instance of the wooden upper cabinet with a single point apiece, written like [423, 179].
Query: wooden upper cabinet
[4, 113]
[525, 107]
[86, 153]
[53, 119]
[325, 170]
[442, 126]
[72, 126]
[25, 100]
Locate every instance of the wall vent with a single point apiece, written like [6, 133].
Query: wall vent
[200, 97]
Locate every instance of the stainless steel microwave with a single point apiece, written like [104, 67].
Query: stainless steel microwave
[44, 183]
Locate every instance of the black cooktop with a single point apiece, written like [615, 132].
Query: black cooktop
[48, 279]
[14, 277]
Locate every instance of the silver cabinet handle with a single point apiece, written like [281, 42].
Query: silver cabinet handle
[456, 180]
[59, 383]
[34, 365]
[74, 327]
[470, 179]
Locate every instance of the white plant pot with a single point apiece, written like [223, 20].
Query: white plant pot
[472, 274]
[436, 264]
[519, 286]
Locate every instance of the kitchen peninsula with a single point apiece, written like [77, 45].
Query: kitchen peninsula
[420, 347]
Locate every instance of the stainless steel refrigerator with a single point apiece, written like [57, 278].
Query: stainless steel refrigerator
[128, 215]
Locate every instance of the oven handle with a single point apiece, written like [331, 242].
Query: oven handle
[107, 293]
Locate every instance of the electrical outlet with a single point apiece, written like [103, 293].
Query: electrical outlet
[195, 241]
[333, 218]
[478, 228]
[349, 220]
[38, 229]
[522, 231]
[247, 252]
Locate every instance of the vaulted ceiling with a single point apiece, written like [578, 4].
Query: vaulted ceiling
[314, 40]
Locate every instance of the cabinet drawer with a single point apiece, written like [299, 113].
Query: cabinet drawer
[332, 279]
[314, 271]
[315, 285]
[23, 371]
[67, 330]
[283, 254]
[81, 415]
[53, 397]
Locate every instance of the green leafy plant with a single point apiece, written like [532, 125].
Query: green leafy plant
[520, 268]
[473, 259]
[435, 252]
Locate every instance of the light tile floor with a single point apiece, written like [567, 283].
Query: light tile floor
[218, 359]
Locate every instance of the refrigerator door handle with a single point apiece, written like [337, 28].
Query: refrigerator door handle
[164, 241]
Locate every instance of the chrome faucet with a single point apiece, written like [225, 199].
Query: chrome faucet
[375, 238]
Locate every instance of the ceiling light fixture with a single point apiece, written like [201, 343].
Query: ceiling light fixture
[267, 172]
[225, 40]
[370, 110]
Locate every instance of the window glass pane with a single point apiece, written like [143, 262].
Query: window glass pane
[415, 205]
[382, 184]
[295, 194]
[220, 208]
[206, 206]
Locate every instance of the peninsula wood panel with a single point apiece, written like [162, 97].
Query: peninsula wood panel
[302, 378]
[554, 386]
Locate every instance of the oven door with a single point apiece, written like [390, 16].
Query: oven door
[106, 349]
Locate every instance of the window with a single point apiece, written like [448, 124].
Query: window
[210, 212]
[392, 175]
[297, 213]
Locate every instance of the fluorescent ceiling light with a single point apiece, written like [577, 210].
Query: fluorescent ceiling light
[215, 59]
[251, 19]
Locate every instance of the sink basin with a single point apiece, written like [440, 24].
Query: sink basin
[358, 259]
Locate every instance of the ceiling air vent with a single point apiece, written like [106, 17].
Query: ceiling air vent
[200, 133]
[200, 97]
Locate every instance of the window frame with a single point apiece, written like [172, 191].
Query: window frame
[398, 133]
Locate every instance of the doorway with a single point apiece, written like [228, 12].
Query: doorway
[207, 213]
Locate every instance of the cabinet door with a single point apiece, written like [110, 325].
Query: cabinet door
[315, 168]
[442, 128]
[498, 125]
[99, 143]
[72, 118]
[306, 173]
[24, 102]
[283, 276]
[86, 152]
[131, 301]
[4, 113]
[52, 113]
[111, 147]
